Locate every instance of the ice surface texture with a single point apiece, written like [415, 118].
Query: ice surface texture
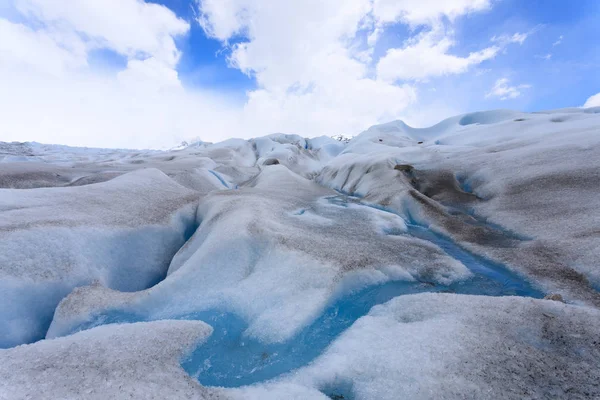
[310, 259]
[110, 362]
[122, 233]
[454, 346]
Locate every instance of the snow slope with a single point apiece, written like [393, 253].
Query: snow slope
[89, 365]
[405, 263]
[532, 174]
[293, 251]
[122, 233]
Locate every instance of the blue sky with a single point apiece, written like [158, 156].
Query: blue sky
[158, 73]
[566, 79]
[204, 60]
[570, 76]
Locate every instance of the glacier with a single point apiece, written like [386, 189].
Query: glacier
[455, 261]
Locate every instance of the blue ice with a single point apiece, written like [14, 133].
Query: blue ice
[231, 359]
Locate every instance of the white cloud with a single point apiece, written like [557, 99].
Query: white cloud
[223, 19]
[312, 61]
[593, 101]
[90, 110]
[428, 54]
[429, 13]
[290, 43]
[514, 38]
[558, 41]
[311, 77]
[428, 57]
[425, 12]
[504, 91]
[35, 50]
[50, 94]
[129, 27]
[311, 74]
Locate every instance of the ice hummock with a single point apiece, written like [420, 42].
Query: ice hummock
[114, 361]
[122, 233]
[427, 346]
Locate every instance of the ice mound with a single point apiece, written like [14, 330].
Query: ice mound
[60, 166]
[397, 134]
[376, 179]
[280, 268]
[231, 162]
[21, 176]
[303, 156]
[488, 117]
[116, 361]
[122, 233]
[454, 347]
[504, 181]
[255, 255]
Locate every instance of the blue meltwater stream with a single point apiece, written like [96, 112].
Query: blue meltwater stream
[231, 359]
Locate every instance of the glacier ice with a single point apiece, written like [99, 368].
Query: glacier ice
[285, 266]
[122, 233]
[427, 346]
[293, 282]
[117, 361]
[403, 263]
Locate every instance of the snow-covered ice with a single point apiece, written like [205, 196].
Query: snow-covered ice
[431, 346]
[286, 265]
[122, 233]
[109, 362]
[403, 263]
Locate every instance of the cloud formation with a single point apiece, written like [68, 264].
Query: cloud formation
[316, 74]
[51, 94]
[428, 56]
[558, 41]
[425, 12]
[504, 91]
[313, 63]
[593, 101]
